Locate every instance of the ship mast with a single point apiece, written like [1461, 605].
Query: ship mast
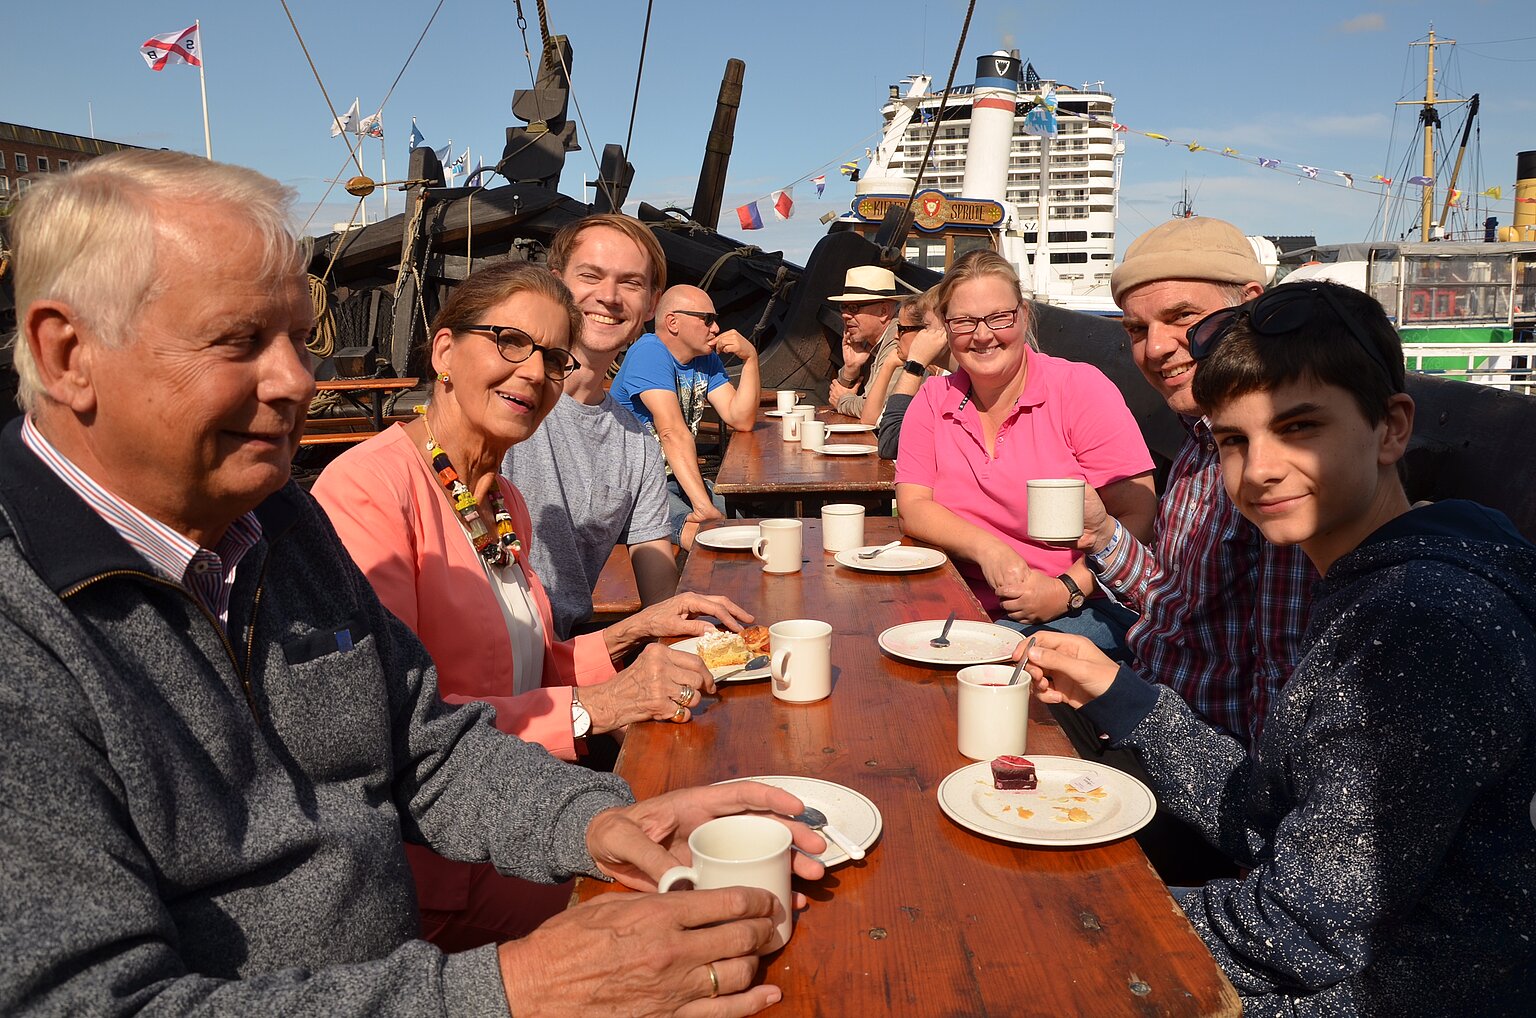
[1431, 119]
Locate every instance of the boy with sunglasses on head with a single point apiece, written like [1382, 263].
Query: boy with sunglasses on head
[1386, 813]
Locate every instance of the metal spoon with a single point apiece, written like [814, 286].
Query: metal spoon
[875, 551]
[761, 661]
[1013, 679]
[816, 820]
[942, 640]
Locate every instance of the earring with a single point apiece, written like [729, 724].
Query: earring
[442, 376]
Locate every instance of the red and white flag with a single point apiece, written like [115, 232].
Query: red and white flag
[182, 47]
[783, 204]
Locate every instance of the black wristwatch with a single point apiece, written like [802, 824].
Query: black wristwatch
[1075, 596]
[917, 368]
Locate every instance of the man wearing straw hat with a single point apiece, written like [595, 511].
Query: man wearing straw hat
[868, 306]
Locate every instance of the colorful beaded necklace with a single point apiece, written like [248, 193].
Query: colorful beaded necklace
[504, 546]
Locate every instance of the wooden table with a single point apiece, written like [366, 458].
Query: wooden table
[763, 475]
[936, 920]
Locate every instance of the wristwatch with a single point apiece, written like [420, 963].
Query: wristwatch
[1075, 596]
[581, 721]
[917, 368]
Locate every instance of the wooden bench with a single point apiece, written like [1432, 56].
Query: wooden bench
[368, 395]
[616, 596]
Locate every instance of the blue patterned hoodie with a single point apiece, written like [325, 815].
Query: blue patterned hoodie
[1388, 813]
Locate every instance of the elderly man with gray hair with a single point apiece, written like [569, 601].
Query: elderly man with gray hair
[215, 736]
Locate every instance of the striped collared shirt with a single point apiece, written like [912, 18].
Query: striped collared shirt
[207, 574]
[1223, 611]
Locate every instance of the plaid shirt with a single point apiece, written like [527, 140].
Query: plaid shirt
[207, 575]
[1222, 610]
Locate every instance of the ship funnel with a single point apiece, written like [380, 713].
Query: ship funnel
[1525, 200]
[991, 135]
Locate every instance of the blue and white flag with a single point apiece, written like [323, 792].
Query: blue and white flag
[416, 136]
[1040, 121]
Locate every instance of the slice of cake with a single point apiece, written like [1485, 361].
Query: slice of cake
[1014, 772]
[722, 650]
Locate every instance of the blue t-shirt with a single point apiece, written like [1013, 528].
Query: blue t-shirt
[650, 365]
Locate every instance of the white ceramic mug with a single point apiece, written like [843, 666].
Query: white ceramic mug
[787, 398]
[1056, 509]
[790, 424]
[842, 527]
[813, 435]
[994, 716]
[778, 545]
[800, 658]
[740, 851]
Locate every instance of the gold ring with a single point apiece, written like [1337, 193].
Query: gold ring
[684, 697]
[714, 980]
[680, 715]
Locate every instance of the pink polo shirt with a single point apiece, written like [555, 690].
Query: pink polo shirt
[1070, 421]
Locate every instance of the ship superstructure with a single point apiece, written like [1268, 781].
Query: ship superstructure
[985, 152]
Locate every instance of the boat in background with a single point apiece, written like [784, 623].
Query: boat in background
[1003, 172]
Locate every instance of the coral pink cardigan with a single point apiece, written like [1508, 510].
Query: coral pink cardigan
[395, 519]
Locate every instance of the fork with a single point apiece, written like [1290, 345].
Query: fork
[942, 640]
[871, 553]
[816, 820]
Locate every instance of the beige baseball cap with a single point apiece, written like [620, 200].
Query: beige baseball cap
[1196, 248]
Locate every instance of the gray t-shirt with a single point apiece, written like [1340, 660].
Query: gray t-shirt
[593, 478]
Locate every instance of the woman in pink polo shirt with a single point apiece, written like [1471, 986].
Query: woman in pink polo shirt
[1010, 413]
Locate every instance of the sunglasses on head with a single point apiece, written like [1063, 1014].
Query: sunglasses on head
[1280, 311]
[707, 317]
[516, 346]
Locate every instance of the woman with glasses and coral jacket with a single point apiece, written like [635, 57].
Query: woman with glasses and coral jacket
[443, 539]
[1009, 414]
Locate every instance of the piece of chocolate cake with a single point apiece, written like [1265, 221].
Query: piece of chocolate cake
[1014, 772]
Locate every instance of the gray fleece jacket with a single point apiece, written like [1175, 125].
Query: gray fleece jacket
[198, 824]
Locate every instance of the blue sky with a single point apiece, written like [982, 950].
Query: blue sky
[1305, 82]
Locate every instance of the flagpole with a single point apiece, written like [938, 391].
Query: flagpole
[383, 166]
[202, 80]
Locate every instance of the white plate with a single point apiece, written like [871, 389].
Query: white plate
[847, 450]
[1121, 805]
[781, 413]
[852, 813]
[970, 643]
[692, 647]
[897, 560]
[728, 538]
[848, 429]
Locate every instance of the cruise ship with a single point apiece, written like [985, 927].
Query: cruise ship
[984, 179]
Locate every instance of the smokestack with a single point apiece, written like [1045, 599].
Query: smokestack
[1524, 228]
[991, 138]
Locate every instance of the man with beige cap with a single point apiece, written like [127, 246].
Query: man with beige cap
[1222, 611]
[868, 306]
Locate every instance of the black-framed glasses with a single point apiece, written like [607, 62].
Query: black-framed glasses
[516, 346]
[707, 317]
[902, 330]
[850, 308]
[1280, 311]
[996, 321]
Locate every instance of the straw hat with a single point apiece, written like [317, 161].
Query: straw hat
[868, 282]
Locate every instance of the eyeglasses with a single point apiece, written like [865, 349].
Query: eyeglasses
[516, 346]
[707, 317]
[996, 321]
[851, 308]
[1280, 311]
[902, 330]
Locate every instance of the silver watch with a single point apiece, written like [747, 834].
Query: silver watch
[581, 721]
